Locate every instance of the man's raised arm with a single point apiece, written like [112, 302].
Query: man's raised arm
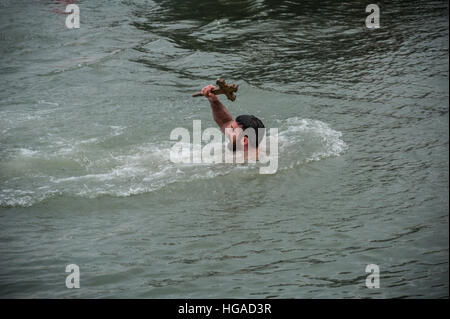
[220, 113]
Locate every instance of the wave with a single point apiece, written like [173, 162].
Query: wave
[84, 169]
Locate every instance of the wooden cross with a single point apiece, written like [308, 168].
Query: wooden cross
[223, 88]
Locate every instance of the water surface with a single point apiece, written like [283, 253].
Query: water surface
[86, 179]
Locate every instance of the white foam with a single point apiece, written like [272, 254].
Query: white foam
[147, 167]
[315, 139]
[27, 152]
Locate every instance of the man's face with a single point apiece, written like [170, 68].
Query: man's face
[234, 134]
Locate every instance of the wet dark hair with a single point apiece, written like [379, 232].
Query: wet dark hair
[252, 121]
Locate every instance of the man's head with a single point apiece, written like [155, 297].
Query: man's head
[252, 123]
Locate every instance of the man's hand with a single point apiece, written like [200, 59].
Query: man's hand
[206, 92]
[220, 113]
